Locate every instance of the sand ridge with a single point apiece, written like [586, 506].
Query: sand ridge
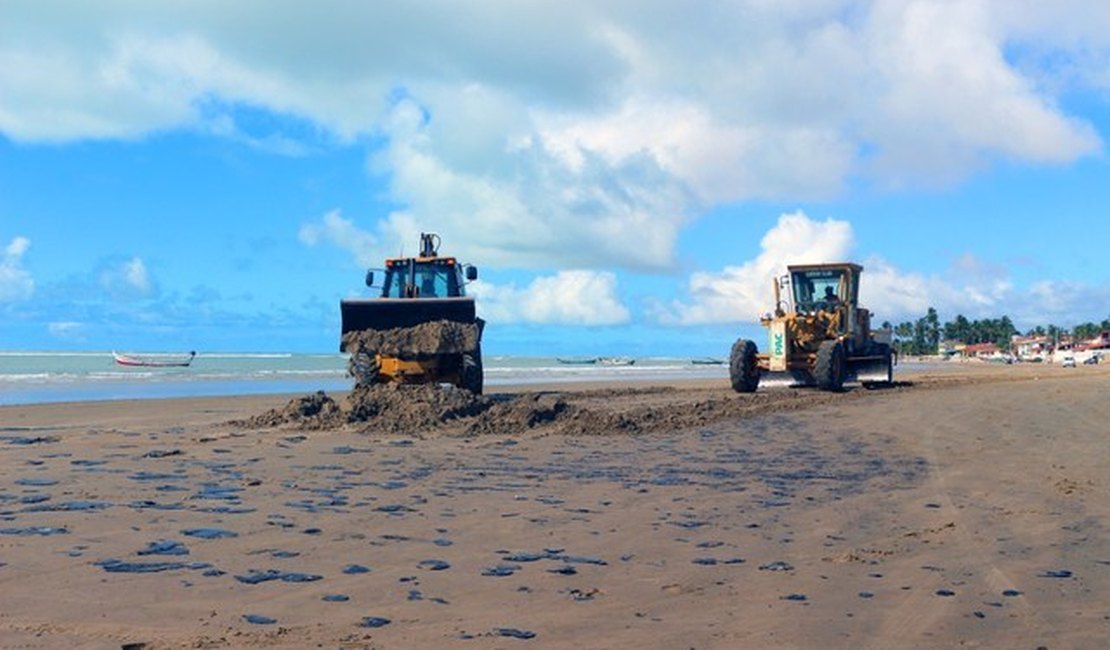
[581, 409]
[446, 410]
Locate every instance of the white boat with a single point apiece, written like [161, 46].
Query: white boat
[154, 360]
[616, 361]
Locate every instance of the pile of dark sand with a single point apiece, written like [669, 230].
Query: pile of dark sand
[314, 411]
[418, 407]
[414, 409]
[433, 337]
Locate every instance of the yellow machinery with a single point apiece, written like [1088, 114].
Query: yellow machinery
[818, 334]
[422, 328]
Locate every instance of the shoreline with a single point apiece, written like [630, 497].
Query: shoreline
[27, 387]
[42, 378]
[926, 373]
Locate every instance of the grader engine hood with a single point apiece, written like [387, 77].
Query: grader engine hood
[387, 313]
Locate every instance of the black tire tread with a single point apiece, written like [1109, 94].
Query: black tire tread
[828, 369]
[364, 367]
[743, 367]
[472, 376]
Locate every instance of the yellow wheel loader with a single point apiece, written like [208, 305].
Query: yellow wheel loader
[422, 328]
[818, 335]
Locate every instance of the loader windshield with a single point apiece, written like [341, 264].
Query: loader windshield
[816, 289]
[422, 280]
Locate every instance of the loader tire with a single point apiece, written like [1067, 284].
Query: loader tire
[828, 370]
[364, 367]
[743, 368]
[472, 371]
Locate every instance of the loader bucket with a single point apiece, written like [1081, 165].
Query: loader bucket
[384, 313]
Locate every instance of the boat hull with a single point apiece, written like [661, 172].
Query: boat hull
[145, 361]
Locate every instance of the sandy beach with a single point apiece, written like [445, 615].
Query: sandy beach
[966, 507]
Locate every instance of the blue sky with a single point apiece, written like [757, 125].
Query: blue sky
[629, 176]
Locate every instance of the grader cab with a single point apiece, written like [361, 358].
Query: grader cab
[818, 335]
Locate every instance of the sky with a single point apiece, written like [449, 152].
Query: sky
[628, 175]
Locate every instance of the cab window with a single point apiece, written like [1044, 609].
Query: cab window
[817, 289]
[432, 280]
[421, 281]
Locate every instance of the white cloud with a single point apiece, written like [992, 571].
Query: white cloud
[532, 209]
[1062, 303]
[952, 101]
[567, 298]
[742, 293]
[67, 330]
[338, 231]
[978, 289]
[126, 280]
[577, 134]
[16, 282]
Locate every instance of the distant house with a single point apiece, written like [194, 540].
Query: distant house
[1028, 348]
[951, 348]
[981, 351]
[1100, 342]
[1097, 347]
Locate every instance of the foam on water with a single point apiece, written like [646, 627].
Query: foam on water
[41, 377]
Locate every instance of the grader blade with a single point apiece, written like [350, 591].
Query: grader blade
[786, 379]
[872, 369]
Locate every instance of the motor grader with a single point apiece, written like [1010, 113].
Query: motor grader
[422, 327]
[818, 335]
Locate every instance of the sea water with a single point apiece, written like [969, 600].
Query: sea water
[39, 377]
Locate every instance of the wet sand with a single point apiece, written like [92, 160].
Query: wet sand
[967, 508]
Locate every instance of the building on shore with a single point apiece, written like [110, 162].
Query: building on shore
[1031, 348]
[982, 351]
[1043, 348]
[949, 348]
[1095, 348]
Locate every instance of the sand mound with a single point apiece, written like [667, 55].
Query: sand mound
[526, 411]
[313, 411]
[401, 408]
[431, 338]
[416, 409]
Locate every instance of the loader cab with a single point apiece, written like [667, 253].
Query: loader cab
[435, 277]
[825, 287]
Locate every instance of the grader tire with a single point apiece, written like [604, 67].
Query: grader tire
[743, 368]
[828, 370]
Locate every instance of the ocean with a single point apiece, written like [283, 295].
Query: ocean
[44, 377]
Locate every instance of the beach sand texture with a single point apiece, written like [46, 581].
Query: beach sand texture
[967, 509]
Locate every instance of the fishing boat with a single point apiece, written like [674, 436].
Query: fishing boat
[154, 360]
[585, 361]
[616, 361]
[707, 361]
